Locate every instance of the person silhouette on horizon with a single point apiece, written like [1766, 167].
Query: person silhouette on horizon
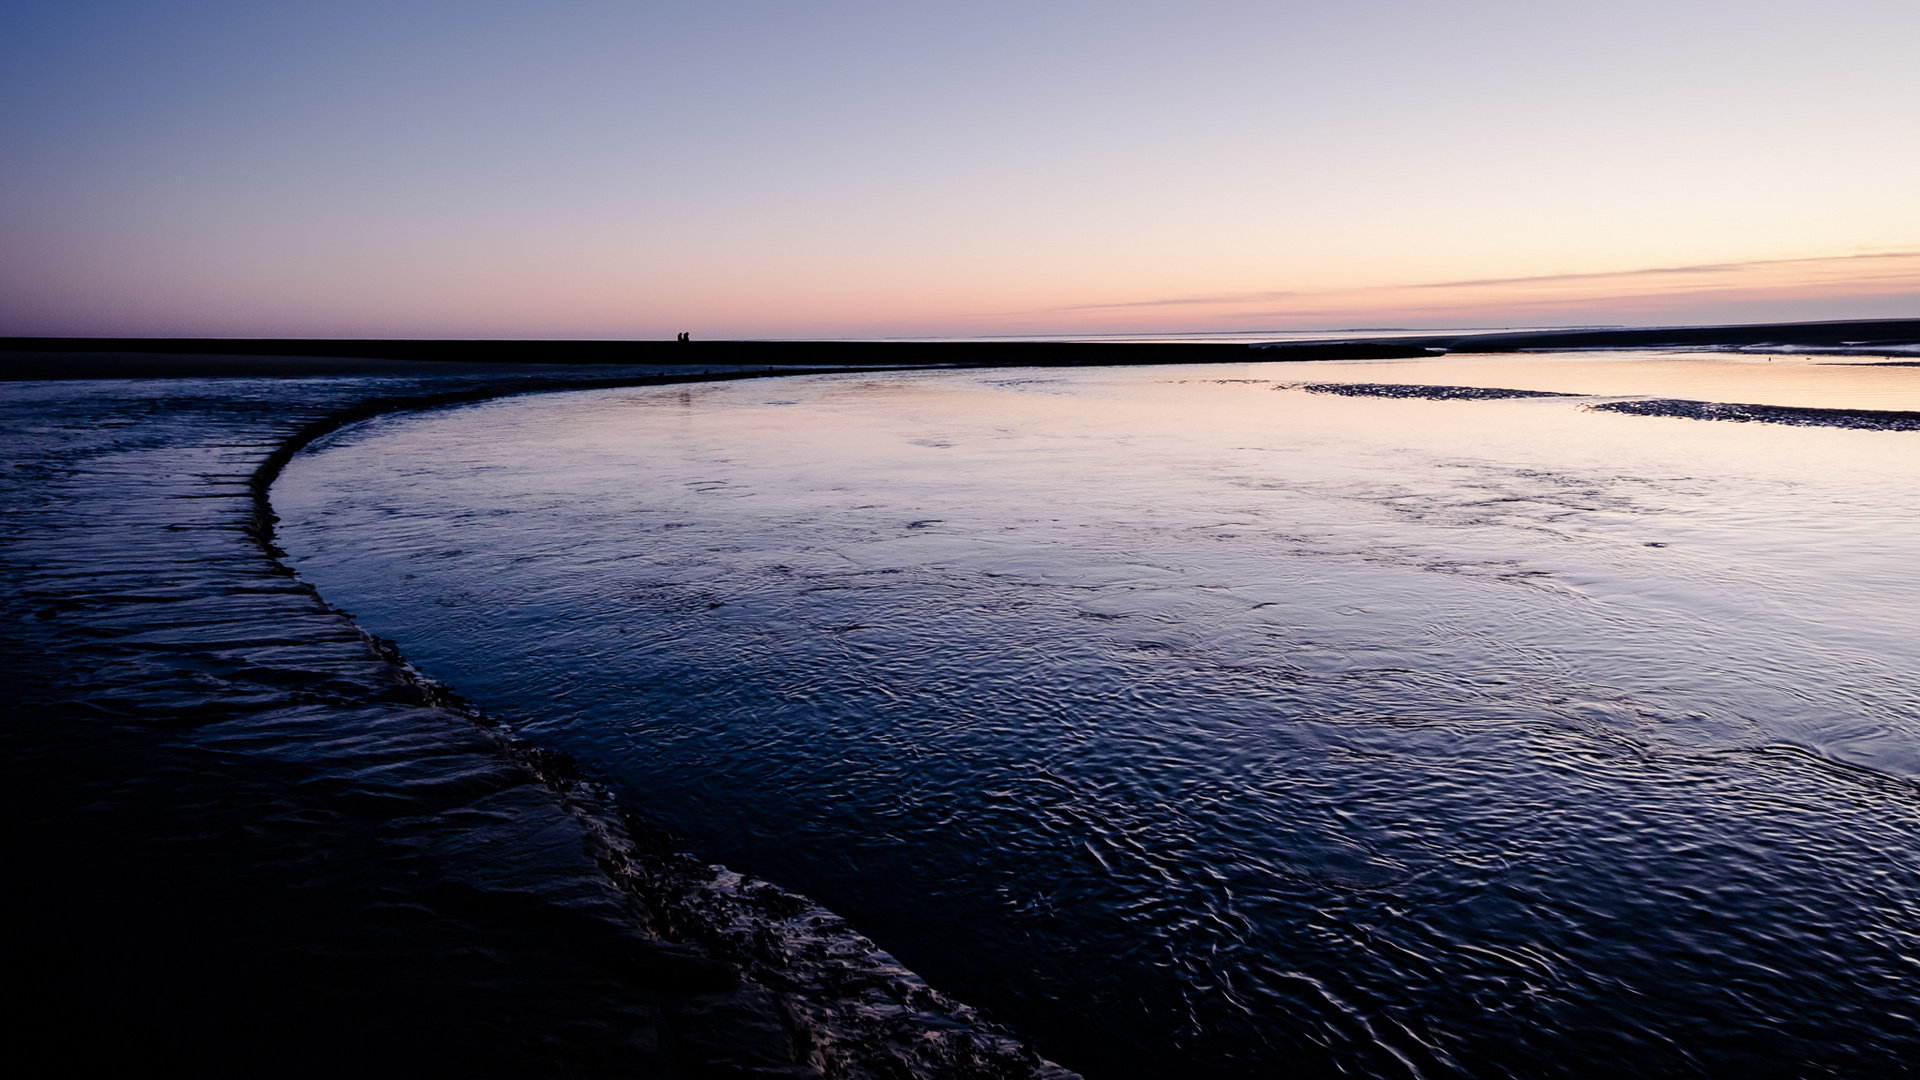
[684, 336]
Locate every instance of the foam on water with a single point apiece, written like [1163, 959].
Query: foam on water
[1200, 726]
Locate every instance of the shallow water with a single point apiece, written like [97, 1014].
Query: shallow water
[1201, 727]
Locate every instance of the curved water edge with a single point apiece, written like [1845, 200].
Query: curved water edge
[1606, 844]
[205, 759]
[709, 936]
[250, 838]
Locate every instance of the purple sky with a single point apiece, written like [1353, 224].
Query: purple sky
[591, 168]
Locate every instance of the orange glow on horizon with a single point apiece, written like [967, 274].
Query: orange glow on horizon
[1645, 295]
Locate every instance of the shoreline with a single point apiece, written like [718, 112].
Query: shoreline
[1670, 408]
[319, 841]
[853, 1004]
[52, 357]
[266, 735]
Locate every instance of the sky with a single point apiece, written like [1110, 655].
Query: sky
[847, 168]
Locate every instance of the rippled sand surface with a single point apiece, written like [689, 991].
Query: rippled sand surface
[246, 840]
[1198, 726]
[1819, 382]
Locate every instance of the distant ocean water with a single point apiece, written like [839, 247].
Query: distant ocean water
[1198, 726]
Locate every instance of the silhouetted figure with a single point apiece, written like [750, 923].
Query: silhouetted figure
[684, 336]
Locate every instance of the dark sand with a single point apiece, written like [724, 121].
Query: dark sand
[1860, 419]
[247, 840]
[1797, 416]
[1428, 393]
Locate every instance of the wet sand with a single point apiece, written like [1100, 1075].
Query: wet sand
[1858, 419]
[1676, 408]
[250, 840]
[1425, 393]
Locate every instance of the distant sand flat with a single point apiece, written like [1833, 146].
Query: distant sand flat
[1800, 382]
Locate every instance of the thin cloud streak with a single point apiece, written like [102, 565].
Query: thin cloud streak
[1704, 268]
[1660, 272]
[1559, 308]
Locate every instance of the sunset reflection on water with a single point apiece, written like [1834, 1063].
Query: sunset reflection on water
[1200, 726]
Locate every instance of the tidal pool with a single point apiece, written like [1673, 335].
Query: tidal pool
[1197, 726]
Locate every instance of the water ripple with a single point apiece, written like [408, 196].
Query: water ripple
[1205, 731]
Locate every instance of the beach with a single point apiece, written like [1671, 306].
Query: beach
[250, 838]
[259, 837]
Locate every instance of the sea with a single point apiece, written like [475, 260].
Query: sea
[1193, 721]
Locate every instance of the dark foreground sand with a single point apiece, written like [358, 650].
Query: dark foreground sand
[245, 839]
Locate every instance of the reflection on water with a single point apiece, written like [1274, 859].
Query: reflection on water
[1818, 382]
[1198, 727]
